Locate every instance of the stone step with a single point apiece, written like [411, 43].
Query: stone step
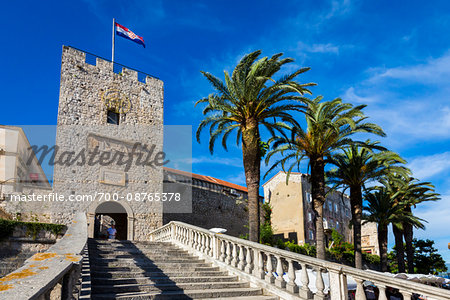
[260, 297]
[162, 279]
[137, 255]
[119, 274]
[126, 242]
[124, 288]
[159, 268]
[145, 259]
[150, 264]
[189, 294]
[134, 251]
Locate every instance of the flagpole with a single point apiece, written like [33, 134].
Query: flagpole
[113, 39]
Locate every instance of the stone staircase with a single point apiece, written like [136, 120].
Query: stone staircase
[159, 270]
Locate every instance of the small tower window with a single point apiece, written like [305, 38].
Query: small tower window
[113, 117]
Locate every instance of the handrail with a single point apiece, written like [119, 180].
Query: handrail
[52, 273]
[260, 261]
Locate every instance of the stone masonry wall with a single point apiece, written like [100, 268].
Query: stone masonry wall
[213, 209]
[86, 94]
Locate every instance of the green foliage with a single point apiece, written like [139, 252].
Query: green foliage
[341, 251]
[330, 125]
[33, 228]
[6, 228]
[392, 262]
[267, 211]
[426, 258]
[266, 234]
[371, 259]
[263, 147]
[305, 249]
[251, 96]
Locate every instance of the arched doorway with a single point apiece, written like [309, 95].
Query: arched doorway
[102, 215]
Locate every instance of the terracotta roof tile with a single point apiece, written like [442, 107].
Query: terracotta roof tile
[208, 179]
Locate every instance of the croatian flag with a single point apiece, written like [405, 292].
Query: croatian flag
[128, 34]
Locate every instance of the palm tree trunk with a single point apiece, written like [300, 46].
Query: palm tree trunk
[356, 203]
[252, 164]
[409, 235]
[398, 234]
[318, 194]
[382, 243]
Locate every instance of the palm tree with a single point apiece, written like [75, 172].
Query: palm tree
[411, 192]
[383, 209]
[247, 100]
[357, 165]
[329, 127]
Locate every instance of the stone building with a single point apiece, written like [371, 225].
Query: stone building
[215, 203]
[292, 213]
[107, 114]
[369, 238]
[19, 170]
[110, 111]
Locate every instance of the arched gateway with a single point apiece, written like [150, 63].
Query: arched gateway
[120, 212]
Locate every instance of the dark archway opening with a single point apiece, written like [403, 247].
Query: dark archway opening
[109, 213]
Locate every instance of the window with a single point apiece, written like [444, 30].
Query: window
[330, 206]
[308, 197]
[113, 117]
[336, 208]
[311, 235]
[309, 217]
[337, 225]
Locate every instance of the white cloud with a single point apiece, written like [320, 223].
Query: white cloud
[434, 71]
[351, 96]
[317, 48]
[415, 107]
[238, 178]
[437, 215]
[228, 161]
[339, 8]
[425, 167]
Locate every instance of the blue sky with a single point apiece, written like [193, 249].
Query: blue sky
[392, 55]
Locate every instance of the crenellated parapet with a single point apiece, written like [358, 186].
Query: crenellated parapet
[90, 83]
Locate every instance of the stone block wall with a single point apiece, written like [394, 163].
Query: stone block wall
[87, 93]
[214, 209]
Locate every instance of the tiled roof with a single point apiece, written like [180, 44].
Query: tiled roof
[208, 179]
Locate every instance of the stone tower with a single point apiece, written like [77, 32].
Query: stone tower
[104, 111]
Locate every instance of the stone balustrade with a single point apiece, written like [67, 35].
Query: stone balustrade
[257, 263]
[51, 274]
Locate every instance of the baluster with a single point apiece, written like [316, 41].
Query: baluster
[382, 290]
[305, 292]
[319, 284]
[199, 241]
[269, 276]
[279, 281]
[234, 262]
[203, 243]
[248, 261]
[360, 294]
[291, 285]
[211, 246]
[181, 233]
[222, 250]
[406, 294]
[196, 237]
[208, 244]
[241, 264]
[259, 270]
[228, 258]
